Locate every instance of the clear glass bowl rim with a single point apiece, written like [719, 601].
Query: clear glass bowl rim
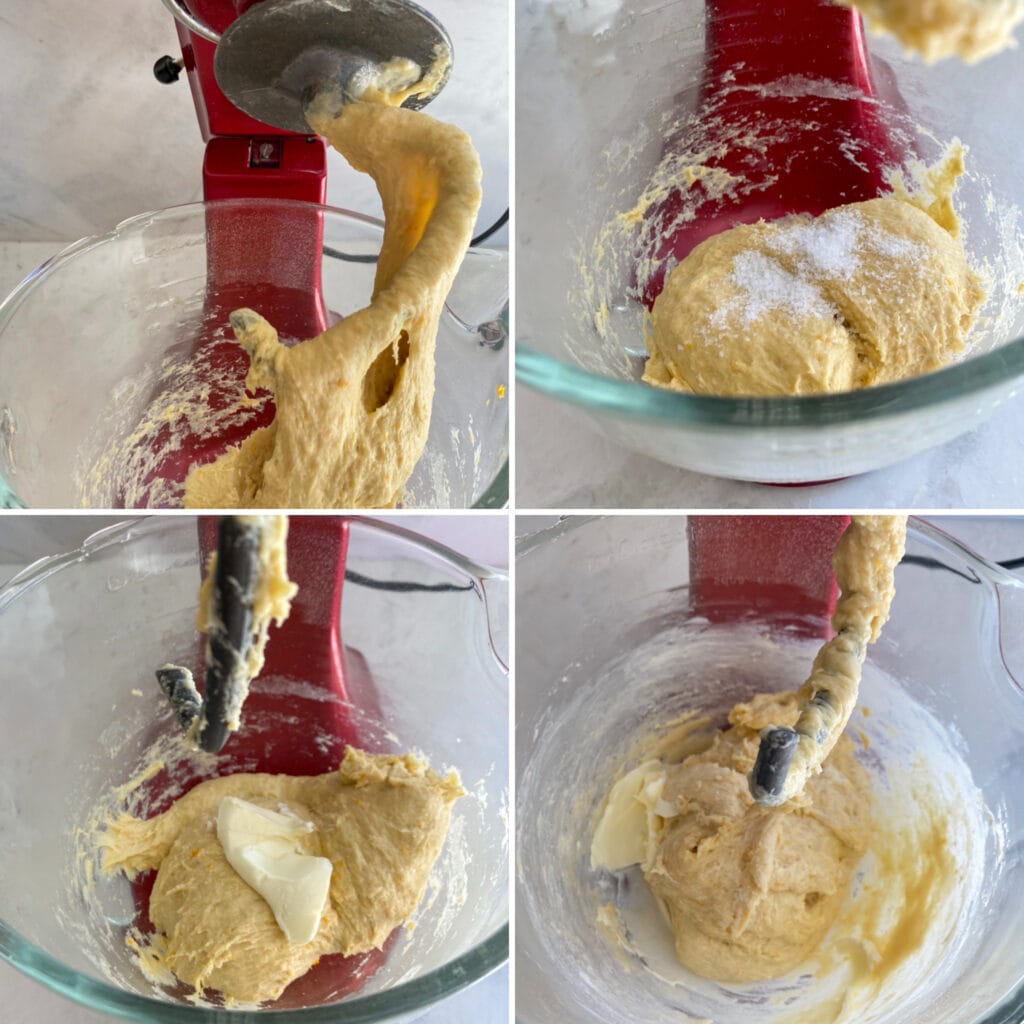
[640, 401]
[1012, 1009]
[408, 997]
[497, 492]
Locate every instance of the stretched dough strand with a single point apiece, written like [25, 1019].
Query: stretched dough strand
[353, 404]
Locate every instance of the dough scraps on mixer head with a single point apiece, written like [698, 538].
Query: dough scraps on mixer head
[353, 404]
[266, 598]
[865, 294]
[971, 29]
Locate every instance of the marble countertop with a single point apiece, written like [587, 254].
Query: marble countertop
[562, 463]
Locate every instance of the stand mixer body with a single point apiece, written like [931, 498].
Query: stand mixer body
[787, 142]
[280, 735]
[777, 567]
[247, 159]
[244, 157]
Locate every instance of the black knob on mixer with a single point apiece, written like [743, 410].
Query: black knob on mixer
[167, 69]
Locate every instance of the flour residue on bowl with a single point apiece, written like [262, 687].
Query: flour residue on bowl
[158, 420]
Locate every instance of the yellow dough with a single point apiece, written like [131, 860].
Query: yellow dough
[864, 294]
[971, 29]
[380, 819]
[353, 404]
[751, 891]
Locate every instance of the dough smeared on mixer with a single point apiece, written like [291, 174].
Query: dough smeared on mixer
[353, 404]
[864, 294]
[380, 819]
[271, 602]
[971, 29]
[865, 562]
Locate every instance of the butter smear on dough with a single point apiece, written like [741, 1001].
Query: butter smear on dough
[262, 846]
[240, 862]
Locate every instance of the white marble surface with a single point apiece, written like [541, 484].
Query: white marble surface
[23, 538]
[562, 463]
[19, 259]
[90, 136]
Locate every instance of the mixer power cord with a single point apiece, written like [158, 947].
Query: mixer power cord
[403, 586]
[924, 562]
[354, 257]
[484, 235]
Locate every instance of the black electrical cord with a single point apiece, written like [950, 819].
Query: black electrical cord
[403, 586]
[924, 562]
[352, 257]
[484, 235]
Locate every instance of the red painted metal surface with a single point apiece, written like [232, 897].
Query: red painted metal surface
[284, 734]
[217, 114]
[266, 167]
[776, 568]
[759, 58]
[265, 259]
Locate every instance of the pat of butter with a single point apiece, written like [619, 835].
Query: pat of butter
[629, 826]
[262, 846]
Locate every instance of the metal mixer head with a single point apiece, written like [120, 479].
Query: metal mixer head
[273, 60]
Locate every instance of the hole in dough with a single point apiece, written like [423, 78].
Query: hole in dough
[382, 377]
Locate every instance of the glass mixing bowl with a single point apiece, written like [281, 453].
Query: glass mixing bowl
[622, 71]
[80, 634]
[609, 643]
[95, 335]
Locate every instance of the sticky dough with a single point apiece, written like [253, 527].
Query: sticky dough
[353, 404]
[971, 29]
[865, 563]
[865, 294]
[380, 819]
[750, 891]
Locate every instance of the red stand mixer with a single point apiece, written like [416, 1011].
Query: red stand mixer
[253, 66]
[279, 736]
[800, 84]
